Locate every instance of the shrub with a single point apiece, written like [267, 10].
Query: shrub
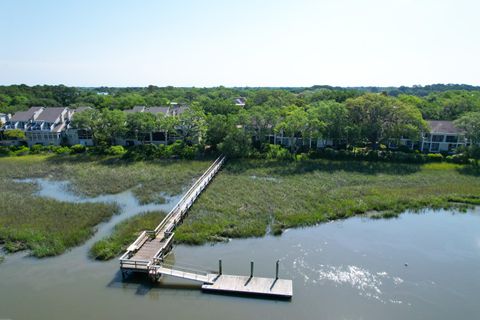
[36, 149]
[78, 148]
[458, 158]
[404, 149]
[115, 150]
[275, 151]
[176, 148]
[5, 151]
[434, 157]
[20, 151]
[189, 152]
[62, 150]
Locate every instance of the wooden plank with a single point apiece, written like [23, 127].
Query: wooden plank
[280, 288]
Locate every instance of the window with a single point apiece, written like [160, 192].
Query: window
[84, 134]
[452, 139]
[437, 138]
[158, 136]
[435, 147]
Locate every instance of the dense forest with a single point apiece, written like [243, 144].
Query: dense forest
[436, 102]
[363, 116]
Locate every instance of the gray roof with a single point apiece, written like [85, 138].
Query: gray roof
[156, 110]
[81, 109]
[240, 101]
[50, 114]
[173, 109]
[437, 126]
[24, 116]
[176, 110]
[138, 108]
[135, 109]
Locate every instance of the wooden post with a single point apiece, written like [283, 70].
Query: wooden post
[276, 271]
[220, 266]
[251, 269]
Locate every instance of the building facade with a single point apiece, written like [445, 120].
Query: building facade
[443, 136]
[44, 126]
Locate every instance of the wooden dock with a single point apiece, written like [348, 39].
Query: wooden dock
[146, 254]
[278, 288]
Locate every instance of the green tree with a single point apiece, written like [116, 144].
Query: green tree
[110, 125]
[105, 125]
[262, 121]
[378, 118]
[192, 124]
[315, 126]
[218, 127]
[237, 143]
[337, 126]
[294, 125]
[470, 123]
[139, 124]
[167, 124]
[15, 134]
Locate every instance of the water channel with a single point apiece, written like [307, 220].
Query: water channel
[419, 266]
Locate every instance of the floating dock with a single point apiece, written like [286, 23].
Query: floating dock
[277, 288]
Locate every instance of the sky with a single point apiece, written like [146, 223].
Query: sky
[207, 43]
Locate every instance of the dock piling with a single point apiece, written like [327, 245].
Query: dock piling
[276, 269]
[220, 266]
[251, 269]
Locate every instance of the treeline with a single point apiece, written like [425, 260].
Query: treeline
[346, 117]
[436, 102]
[369, 121]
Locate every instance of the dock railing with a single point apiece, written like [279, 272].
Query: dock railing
[171, 220]
[212, 169]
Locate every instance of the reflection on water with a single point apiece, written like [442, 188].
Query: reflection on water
[419, 266]
[365, 282]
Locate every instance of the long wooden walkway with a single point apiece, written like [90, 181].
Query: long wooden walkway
[146, 254]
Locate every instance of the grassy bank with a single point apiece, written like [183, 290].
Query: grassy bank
[46, 227]
[49, 227]
[251, 197]
[92, 176]
[124, 234]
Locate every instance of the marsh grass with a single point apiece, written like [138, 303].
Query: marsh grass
[48, 227]
[250, 197]
[124, 234]
[92, 176]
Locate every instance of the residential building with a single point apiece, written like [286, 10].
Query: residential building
[45, 126]
[4, 117]
[79, 136]
[443, 136]
[240, 101]
[157, 136]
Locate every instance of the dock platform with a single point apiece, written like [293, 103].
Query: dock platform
[232, 284]
[147, 253]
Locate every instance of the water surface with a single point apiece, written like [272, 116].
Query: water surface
[419, 266]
